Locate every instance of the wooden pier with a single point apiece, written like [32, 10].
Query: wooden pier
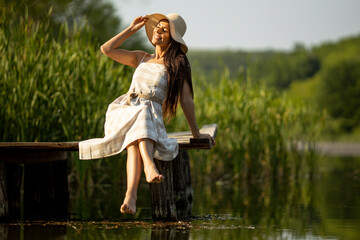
[42, 169]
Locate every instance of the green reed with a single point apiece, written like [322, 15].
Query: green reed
[258, 131]
[58, 89]
[54, 89]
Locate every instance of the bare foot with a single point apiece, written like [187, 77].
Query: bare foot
[129, 206]
[152, 174]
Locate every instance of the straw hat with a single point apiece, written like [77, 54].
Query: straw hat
[177, 27]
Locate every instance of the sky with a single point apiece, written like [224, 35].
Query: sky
[253, 24]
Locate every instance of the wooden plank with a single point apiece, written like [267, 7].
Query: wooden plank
[65, 146]
[185, 140]
[30, 156]
[210, 129]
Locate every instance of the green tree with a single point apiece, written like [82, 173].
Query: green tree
[99, 15]
[340, 89]
[280, 69]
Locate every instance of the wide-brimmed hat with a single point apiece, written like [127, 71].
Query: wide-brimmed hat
[177, 27]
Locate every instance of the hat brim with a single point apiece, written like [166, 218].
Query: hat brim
[152, 22]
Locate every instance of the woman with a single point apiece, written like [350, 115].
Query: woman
[134, 121]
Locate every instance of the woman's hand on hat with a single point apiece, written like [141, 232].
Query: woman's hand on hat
[138, 23]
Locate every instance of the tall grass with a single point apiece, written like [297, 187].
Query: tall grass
[53, 89]
[58, 89]
[258, 131]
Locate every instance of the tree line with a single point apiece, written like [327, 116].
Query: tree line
[99, 15]
[327, 75]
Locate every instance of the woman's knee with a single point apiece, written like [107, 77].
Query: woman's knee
[133, 149]
[146, 142]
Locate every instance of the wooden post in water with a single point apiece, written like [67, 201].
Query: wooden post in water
[183, 191]
[10, 190]
[14, 174]
[4, 204]
[162, 194]
[46, 193]
[172, 199]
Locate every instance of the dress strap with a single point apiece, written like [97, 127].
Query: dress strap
[143, 58]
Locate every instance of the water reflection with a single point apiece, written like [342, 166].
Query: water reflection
[42, 231]
[170, 233]
[326, 206]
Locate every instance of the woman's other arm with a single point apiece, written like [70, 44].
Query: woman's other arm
[131, 58]
[187, 105]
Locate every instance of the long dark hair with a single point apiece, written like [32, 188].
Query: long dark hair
[178, 71]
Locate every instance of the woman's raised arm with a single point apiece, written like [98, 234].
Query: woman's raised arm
[131, 58]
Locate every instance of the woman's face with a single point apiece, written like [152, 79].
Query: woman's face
[161, 34]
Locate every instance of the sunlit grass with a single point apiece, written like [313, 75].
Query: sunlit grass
[257, 131]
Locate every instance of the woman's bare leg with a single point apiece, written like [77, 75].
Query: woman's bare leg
[133, 170]
[146, 147]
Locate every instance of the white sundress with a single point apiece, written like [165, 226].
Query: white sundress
[131, 118]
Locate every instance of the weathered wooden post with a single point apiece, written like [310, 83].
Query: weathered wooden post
[183, 191]
[4, 204]
[14, 173]
[162, 194]
[46, 194]
[172, 200]
[10, 199]
[45, 184]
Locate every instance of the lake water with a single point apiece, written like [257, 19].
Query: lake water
[325, 207]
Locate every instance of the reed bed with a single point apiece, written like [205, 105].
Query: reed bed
[58, 89]
[258, 132]
[55, 88]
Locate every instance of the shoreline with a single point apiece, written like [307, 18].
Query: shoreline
[339, 149]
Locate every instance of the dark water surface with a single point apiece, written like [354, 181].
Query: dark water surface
[326, 207]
